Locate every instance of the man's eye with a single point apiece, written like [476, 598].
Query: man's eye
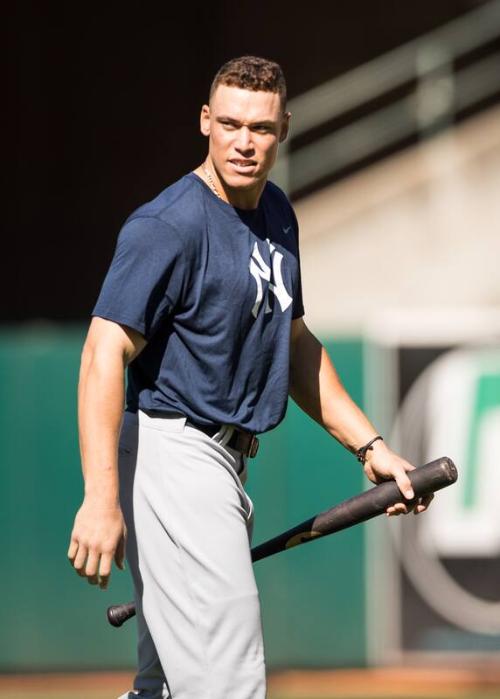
[262, 129]
[228, 125]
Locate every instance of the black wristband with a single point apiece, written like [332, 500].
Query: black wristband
[361, 452]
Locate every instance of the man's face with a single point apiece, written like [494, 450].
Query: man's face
[244, 130]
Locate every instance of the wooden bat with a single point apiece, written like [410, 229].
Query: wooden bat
[425, 480]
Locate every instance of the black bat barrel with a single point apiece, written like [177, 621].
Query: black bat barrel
[425, 480]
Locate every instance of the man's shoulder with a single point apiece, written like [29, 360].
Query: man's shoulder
[178, 206]
[281, 209]
[277, 196]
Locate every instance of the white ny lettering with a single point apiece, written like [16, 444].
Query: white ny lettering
[260, 270]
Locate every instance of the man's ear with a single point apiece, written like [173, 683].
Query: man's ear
[285, 126]
[205, 120]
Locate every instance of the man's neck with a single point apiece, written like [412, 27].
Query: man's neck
[239, 198]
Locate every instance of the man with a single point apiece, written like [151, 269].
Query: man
[203, 303]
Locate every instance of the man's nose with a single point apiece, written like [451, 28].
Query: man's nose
[244, 139]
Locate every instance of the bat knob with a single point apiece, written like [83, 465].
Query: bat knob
[118, 614]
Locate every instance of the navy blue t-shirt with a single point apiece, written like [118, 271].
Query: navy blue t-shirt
[213, 289]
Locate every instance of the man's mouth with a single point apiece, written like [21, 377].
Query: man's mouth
[240, 162]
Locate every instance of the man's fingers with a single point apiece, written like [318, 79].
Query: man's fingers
[404, 484]
[80, 559]
[104, 582]
[423, 504]
[120, 554]
[105, 570]
[73, 548]
[402, 508]
[398, 509]
[92, 567]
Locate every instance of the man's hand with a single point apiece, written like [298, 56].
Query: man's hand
[382, 464]
[98, 536]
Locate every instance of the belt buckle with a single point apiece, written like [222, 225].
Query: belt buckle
[253, 447]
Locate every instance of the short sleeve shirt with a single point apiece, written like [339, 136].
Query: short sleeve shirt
[213, 289]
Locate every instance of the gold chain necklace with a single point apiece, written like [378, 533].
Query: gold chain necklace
[210, 179]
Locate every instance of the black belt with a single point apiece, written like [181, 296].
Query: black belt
[241, 440]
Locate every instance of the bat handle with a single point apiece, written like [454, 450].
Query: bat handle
[118, 614]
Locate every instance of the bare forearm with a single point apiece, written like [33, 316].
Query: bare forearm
[100, 411]
[317, 389]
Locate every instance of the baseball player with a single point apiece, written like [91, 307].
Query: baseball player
[203, 304]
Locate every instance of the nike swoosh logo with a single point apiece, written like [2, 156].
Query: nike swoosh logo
[287, 229]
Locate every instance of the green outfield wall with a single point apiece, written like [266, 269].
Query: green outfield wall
[312, 597]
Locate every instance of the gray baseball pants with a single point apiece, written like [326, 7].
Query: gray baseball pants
[189, 525]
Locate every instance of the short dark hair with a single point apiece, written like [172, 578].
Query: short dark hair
[251, 73]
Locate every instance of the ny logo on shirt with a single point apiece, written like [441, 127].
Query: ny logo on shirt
[260, 270]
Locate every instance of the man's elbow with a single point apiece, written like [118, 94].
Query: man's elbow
[110, 341]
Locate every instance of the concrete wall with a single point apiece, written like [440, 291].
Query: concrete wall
[420, 230]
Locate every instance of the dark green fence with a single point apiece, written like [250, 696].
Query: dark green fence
[312, 597]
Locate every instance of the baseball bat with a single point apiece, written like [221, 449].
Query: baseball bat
[425, 480]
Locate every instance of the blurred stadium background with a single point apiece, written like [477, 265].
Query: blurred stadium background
[394, 168]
